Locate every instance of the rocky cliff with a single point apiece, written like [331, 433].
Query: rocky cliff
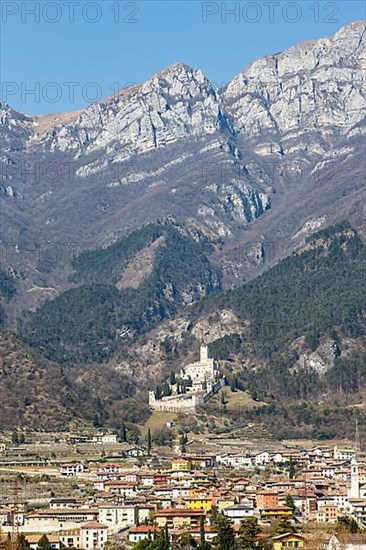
[259, 164]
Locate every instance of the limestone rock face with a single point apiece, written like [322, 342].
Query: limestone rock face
[315, 87]
[15, 128]
[176, 103]
[252, 164]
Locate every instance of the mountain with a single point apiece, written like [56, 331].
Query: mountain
[261, 163]
[122, 291]
[294, 338]
[39, 394]
[174, 211]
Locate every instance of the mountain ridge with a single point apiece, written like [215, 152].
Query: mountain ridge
[290, 336]
[255, 166]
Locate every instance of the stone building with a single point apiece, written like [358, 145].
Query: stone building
[194, 386]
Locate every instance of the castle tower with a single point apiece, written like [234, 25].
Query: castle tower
[203, 353]
[354, 491]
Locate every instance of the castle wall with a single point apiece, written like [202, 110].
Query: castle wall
[199, 372]
[170, 403]
[184, 402]
[215, 388]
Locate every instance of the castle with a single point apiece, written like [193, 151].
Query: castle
[196, 383]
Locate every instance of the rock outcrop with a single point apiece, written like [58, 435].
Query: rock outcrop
[253, 163]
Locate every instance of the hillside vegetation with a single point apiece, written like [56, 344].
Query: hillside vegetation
[7, 291]
[314, 296]
[313, 292]
[87, 323]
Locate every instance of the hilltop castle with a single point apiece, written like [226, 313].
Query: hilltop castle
[196, 383]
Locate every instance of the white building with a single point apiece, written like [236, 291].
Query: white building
[141, 532]
[121, 516]
[354, 490]
[235, 461]
[262, 458]
[344, 454]
[328, 471]
[71, 469]
[195, 385]
[54, 540]
[70, 538]
[105, 438]
[202, 372]
[53, 520]
[278, 458]
[238, 512]
[109, 469]
[355, 541]
[93, 536]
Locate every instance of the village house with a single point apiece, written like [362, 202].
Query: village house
[238, 512]
[240, 484]
[72, 469]
[224, 502]
[275, 513]
[288, 540]
[235, 460]
[135, 452]
[180, 491]
[70, 538]
[354, 541]
[142, 532]
[120, 516]
[267, 500]
[178, 518]
[48, 521]
[54, 541]
[108, 469]
[93, 536]
[210, 533]
[327, 513]
[105, 439]
[198, 503]
[63, 503]
[262, 458]
[147, 480]
[181, 464]
[120, 487]
[358, 509]
[344, 454]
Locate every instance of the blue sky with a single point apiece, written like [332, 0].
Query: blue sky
[72, 52]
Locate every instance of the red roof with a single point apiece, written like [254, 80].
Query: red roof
[277, 508]
[94, 525]
[144, 529]
[179, 512]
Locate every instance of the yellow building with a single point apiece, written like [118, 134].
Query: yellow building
[198, 503]
[181, 464]
[287, 541]
[362, 477]
[277, 512]
[225, 502]
[178, 518]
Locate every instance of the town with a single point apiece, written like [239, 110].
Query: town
[207, 492]
[290, 497]
[182, 275]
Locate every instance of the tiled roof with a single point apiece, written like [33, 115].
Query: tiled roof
[178, 512]
[94, 525]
